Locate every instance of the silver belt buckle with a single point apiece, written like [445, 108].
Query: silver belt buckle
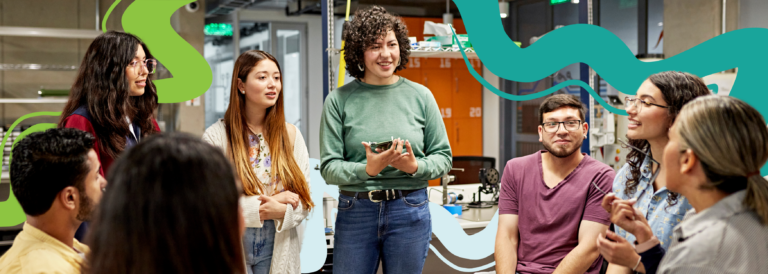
[370, 196]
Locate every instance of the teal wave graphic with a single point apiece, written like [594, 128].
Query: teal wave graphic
[609, 57]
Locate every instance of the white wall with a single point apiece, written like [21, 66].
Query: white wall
[314, 66]
[752, 14]
[491, 119]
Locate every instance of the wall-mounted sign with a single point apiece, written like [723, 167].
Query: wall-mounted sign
[218, 29]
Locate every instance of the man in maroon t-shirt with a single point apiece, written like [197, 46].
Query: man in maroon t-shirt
[549, 210]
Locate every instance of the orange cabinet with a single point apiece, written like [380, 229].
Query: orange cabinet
[415, 26]
[460, 64]
[467, 95]
[469, 137]
[458, 94]
[414, 75]
[441, 85]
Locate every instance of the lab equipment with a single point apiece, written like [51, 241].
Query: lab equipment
[489, 184]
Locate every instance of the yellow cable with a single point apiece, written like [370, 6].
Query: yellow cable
[347, 18]
[342, 63]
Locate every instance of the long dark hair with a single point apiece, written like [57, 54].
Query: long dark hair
[677, 89]
[171, 206]
[283, 164]
[102, 87]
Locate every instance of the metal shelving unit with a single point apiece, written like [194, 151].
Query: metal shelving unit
[434, 54]
[37, 67]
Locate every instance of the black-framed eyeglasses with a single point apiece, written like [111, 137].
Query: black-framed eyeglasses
[628, 102]
[655, 174]
[552, 127]
[150, 64]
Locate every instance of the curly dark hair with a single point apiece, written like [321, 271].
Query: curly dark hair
[362, 31]
[677, 89]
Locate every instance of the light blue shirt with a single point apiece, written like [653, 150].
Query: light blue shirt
[661, 216]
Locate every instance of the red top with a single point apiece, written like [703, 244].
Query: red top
[80, 122]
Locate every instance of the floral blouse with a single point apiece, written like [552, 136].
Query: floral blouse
[261, 162]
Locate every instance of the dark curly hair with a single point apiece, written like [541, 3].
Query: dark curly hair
[362, 31]
[677, 89]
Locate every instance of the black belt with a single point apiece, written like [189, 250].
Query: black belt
[380, 195]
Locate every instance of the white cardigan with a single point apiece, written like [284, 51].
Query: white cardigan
[286, 253]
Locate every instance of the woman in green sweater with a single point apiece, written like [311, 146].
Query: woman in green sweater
[383, 212]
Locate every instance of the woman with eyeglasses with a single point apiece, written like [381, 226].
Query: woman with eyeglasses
[113, 97]
[713, 158]
[651, 113]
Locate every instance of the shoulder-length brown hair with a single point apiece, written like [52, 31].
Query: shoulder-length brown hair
[101, 86]
[283, 164]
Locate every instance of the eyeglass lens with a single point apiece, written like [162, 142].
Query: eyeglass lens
[555, 126]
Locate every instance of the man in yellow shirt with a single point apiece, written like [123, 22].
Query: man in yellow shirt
[55, 177]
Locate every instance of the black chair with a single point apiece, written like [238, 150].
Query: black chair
[471, 166]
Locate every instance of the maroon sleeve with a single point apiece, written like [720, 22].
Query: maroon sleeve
[79, 122]
[508, 196]
[593, 211]
[157, 128]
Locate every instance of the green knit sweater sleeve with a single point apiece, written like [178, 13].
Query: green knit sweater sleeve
[334, 169]
[437, 150]
[358, 112]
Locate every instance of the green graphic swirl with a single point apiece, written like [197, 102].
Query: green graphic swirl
[149, 20]
[106, 16]
[12, 214]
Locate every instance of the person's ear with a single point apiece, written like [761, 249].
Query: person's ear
[540, 134]
[586, 129]
[69, 197]
[688, 160]
[240, 86]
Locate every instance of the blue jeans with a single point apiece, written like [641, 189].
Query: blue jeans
[396, 231]
[257, 245]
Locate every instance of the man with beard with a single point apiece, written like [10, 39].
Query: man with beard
[55, 177]
[549, 207]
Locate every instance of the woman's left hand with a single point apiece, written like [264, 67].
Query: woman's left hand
[619, 252]
[287, 197]
[406, 162]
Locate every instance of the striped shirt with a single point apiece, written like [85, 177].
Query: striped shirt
[725, 238]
